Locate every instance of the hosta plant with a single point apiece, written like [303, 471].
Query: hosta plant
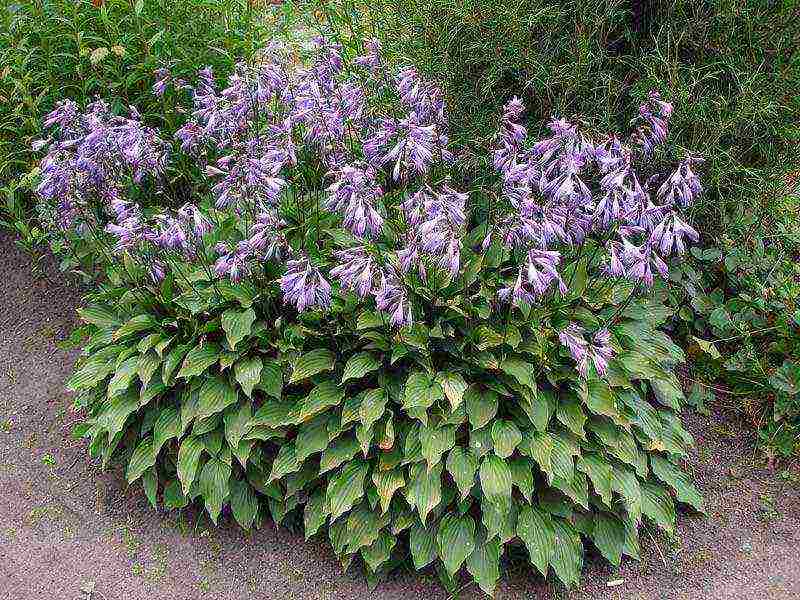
[341, 326]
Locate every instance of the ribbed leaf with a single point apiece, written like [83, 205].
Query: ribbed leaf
[197, 360]
[567, 559]
[174, 496]
[379, 552]
[657, 504]
[247, 372]
[171, 362]
[312, 437]
[627, 485]
[484, 564]
[363, 528]
[535, 529]
[424, 489]
[285, 462]
[600, 473]
[215, 395]
[101, 316]
[570, 415]
[166, 427]
[423, 546]
[599, 398]
[315, 513]
[496, 479]
[271, 382]
[276, 414]
[373, 405]
[346, 487]
[135, 325]
[506, 436]
[359, 365]
[462, 465]
[146, 366]
[141, 460]
[214, 486]
[454, 387]
[312, 363]
[481, 406]
[237, 324]
[387, 483]
[322, 397]
[421, 391]
[520, 370]
[456, 540]
[668, 392]
[522, 476]
[244, 503]
[150, 485]
[435, 441]
[188, 461]
[123, 376]
[237, 423]
[609, 537]
[340, 451]
[116, 411]
[677, 480]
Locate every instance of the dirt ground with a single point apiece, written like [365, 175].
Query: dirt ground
[70, 531]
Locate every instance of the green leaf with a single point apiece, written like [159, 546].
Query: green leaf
[244, 503]
[570, 415]
[567, 559]
[147, 366]
[276, 414]
[116, 412]
[379, 552]
[535, 529]
[314, 513]
[372, 408]
[421, 391]
[141, 460]
[359, 365]
[707, 347]
[522, 476]
[134, 325]
[312, 363]
[456, 540]
[599, 398]
[312, 437]
[101, 316]
[271, 382]
[285, 462]
[215, 395]
[609, 537]
[150, 485]
[172, 361]
[435, 441]
[481, 406]
[424, 489]
[346, 487]
[197, 360]
[387, 483]
[668, 392]
[423, 546]
[214, 486]
[627, 485]
[506, 436]
[339, 452]
[237, 423]
[247, 372]
[520, 370]
[237, 324]
[123, 376]
[677, 480]
[658, 505]
[188, 461]
[166, 427]
[484, 564]
[600, 473]
[462, 465]
[496, 481]
[454, 387]
[322, 397]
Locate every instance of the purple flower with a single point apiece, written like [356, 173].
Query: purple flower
[671, 234]
[372, 59]
[163, 78]
[391, 298]
[354, 193]
[682, 187]
[572, 338]
[599, 352]
[534, 278]
[356, 270]
[304, 286]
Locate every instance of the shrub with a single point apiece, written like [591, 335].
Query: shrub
[348, 327]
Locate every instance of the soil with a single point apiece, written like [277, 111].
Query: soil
[69, 531]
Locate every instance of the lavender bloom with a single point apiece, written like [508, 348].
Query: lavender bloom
[354, 194]
[534, 278]
[682, 187]
[268, 238]
[391, 298]
[511, 136]
[163, 79]
[598, 353]
[415, 147]
[655, 113]
[356, 270]
[423, 98]
[572, 338]
[671, 234]
[304, 286]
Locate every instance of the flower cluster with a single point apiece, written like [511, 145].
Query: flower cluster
[298, 153]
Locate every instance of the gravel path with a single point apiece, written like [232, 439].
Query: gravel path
[70, 531]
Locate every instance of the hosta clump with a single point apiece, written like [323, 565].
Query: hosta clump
[340, 326]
